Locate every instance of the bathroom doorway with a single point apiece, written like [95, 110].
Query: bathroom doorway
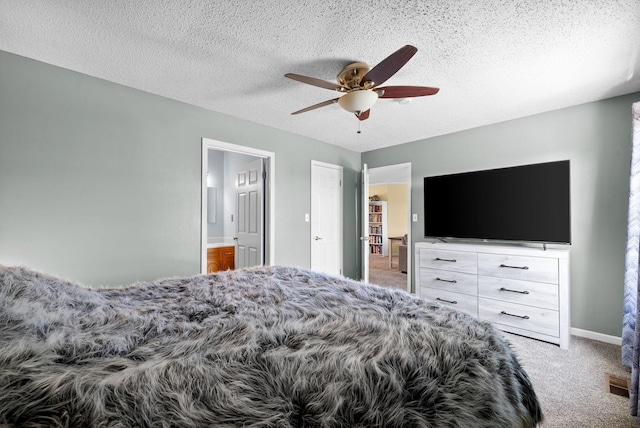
[220, 247]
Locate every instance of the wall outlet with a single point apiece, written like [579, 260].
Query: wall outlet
[415, 218]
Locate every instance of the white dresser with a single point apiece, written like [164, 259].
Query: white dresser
[523, 290]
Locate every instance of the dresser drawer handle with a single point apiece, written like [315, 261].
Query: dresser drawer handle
[452, 281]
[524, 317]
[515, 267]
[446, 260]
[453, 302]
[514, 291]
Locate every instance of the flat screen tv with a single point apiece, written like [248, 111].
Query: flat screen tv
[529, 203]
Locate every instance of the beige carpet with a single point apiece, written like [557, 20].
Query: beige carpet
[570, 384]
[381, 274]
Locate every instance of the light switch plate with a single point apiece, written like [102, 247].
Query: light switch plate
[306, 217]
[415, 218]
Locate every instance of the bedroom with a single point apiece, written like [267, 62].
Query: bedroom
[92, 205]
[100, 182]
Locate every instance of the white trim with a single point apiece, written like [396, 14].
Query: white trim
[614, 340]
[409, 227]
[207, 144]
[364, 232]
[326, 164]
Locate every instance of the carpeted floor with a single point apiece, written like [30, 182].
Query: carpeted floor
[570, 384]
[381, 274]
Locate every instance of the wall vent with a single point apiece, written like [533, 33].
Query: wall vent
[617, 385]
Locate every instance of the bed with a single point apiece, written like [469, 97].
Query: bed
[258, 347]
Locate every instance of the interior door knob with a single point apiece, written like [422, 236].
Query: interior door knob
[317, 238]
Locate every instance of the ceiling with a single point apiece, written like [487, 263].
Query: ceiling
[493, 60]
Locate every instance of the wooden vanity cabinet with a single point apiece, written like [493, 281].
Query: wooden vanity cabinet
[220, 259]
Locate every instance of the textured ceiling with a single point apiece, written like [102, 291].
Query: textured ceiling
[493, 60]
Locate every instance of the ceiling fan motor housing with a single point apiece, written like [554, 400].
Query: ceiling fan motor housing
[351, 76]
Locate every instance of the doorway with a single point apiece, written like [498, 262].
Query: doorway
[390, 253]
[326, 218]
[220, 163]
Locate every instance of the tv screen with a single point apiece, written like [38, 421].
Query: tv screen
[529, 203]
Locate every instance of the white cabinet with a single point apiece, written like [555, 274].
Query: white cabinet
[523, 290]
[448, 276]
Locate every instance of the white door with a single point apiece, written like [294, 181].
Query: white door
[326, 218]
[364, 238]
[249, 208]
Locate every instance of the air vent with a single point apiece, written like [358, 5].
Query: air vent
[617, 385]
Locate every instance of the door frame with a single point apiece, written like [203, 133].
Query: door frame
[269, 208]
[364, 236]
[365, 218]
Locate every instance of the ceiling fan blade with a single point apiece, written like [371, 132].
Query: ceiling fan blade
[313, 81]
[389, 66]
[405, 91]
[315, 106]
[364, 115]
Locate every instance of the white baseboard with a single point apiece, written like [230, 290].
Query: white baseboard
[615, 340]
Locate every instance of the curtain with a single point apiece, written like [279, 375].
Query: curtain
[631, 334]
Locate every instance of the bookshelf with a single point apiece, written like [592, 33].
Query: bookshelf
[378, 241]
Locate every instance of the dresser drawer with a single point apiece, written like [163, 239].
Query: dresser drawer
[449, 280]
[458, 261]
[538, 269]
[529, 293]
[462, 302]
[538, 320]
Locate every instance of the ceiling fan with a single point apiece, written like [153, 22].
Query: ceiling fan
[359, 83]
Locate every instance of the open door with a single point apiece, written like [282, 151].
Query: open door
[249, 220]
[364, 238]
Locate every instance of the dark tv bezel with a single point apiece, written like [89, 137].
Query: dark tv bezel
[499, 240]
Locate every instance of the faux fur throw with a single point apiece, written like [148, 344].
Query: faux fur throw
[260, 347]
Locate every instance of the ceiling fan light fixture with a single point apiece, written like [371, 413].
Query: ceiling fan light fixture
[358, 101]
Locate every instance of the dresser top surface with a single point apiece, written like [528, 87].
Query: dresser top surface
[524, 250]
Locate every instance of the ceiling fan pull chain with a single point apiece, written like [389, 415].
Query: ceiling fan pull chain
[359, 126]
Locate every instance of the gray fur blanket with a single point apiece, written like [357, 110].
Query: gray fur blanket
[260, 347]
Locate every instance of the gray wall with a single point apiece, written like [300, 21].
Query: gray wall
[100, 183]
[596, 138]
